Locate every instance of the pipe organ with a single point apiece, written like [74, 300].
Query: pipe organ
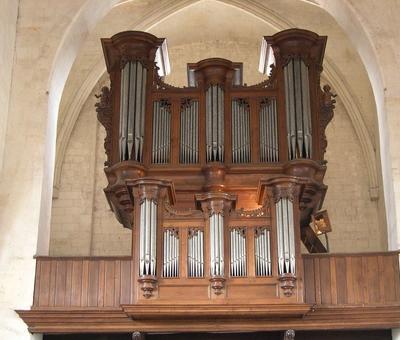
[218, 182]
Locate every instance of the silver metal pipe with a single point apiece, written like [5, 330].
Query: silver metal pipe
[280, 236]
[123, 111]
[196, 130]
[269, 254]
[275, 129]
[292, 249]
[153, 206]
[298, 107]
[142, 239]
[168, 113]
[305, 87]
[164, 252]
[257, 255]
[212, 244]
[262, 136]
[142, 114]
[220, 120]
[138, 107]
[286, 234]
[131, 108]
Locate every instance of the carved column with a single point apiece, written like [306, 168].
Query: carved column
[150, 196]
[283, 193]
[216, 207]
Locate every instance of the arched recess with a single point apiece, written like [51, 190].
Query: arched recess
[331, 75]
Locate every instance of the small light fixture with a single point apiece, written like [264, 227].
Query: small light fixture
[321, 225]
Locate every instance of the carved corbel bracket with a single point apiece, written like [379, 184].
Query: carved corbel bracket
[148, 284]
[287, 283]
[217, 284]
[121, 203]
[118, 192]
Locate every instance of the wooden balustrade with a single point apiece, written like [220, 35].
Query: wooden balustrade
[84, 282]
[352, 279]
[329, 279]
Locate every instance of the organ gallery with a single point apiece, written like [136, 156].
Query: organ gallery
[221, 183]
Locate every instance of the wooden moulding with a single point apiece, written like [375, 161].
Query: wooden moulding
[118, 320]
[214, 311]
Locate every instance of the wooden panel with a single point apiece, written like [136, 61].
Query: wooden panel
[352, 279]
[82, 282]
[179, 292]
[325, 280]
[341, 280]
[329, 279]
[262, 291]
[309, 281]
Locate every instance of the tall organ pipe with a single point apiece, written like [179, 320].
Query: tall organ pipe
[240, 131]
[132, 111]
[195, 253]
[148, 238]
[285, 232]
[238, 252]
[263, 252]
[298, 109]
[269, 146]
[189, 122]
[161, 132]
[171, 253]
[215, 124]
[217, 244]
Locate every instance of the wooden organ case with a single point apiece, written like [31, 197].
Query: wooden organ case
[218, 182]
[217, 178]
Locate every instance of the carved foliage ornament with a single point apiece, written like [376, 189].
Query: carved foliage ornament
[104, 115]
[290, 192]
[327, 107]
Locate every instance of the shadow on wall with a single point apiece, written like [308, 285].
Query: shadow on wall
[300, 335]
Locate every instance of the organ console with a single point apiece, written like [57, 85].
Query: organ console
[219, 182]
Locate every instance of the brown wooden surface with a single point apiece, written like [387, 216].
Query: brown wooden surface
[352, 279]
[82, 282]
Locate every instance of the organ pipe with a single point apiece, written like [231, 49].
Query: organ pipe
[148, 238]
[189, 137]
[298, 109]
[240, 131]
[269, 146]
[132, 111]
[216, 244]
[161, 132]
[262, 252]
[238, 252]
[215, 123]
[196, 253]
[285, 235]
[171, 253]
